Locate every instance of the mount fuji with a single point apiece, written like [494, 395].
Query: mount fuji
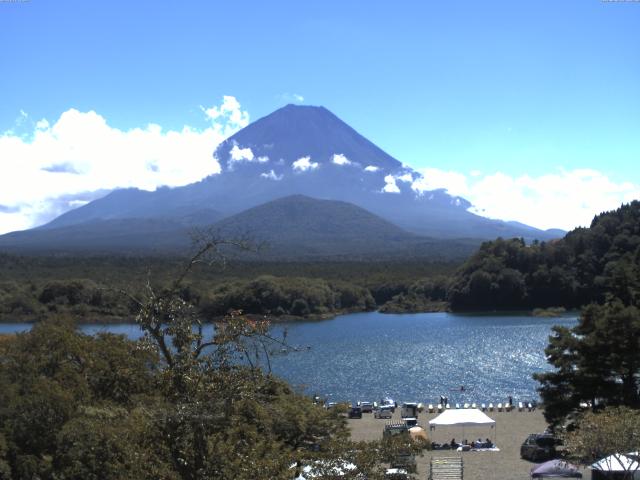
[295, 152]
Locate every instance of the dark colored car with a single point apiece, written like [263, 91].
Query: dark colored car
[355, 412]
[539, 447]
[367, 407]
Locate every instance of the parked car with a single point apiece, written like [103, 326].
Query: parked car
[367, 407]
[409, 410]
[539, 447]
[388, 402]
[355, 412]
[411, 422]
[383, 412]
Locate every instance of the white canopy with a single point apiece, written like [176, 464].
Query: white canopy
[467, 417]
[616, 463]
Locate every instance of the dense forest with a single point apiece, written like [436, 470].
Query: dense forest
[596, 363]
[102, 288]
[587, 265]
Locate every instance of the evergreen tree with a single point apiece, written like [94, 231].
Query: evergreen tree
[598, 361]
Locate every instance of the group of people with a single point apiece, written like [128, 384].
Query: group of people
[453, 445]
[474, 444]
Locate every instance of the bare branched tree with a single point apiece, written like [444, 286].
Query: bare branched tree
[204, 371]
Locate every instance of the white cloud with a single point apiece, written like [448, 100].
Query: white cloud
[237, 154]
[390, 185]
[562, 199]
[406, 177]
[371, 168]
[432, 179]
[303, 164]
[230, 112]
[42, 124]
[271, 175]
[340, 159]
[291, 97]
[45, 172]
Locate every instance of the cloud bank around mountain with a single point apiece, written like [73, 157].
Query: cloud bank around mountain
[63, 164]
[58, 165]
[561, 199]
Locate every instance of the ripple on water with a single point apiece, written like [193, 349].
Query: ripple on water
[420, 356]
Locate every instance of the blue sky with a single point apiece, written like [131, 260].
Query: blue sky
[467, 89]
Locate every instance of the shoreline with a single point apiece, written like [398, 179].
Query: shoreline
[284, 319]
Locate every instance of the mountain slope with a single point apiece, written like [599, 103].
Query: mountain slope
[122, 235]
[291, 228]
[300, 226]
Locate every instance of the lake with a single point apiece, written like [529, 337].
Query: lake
[410, 357]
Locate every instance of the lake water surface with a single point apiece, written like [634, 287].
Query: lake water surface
[412, 357]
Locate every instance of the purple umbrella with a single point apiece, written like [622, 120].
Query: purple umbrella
[556, 468]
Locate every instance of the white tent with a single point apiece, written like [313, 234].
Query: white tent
[471, 417]
[468, 417]
[616, 463]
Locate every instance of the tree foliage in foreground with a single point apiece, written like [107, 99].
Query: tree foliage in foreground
[174, 405]
[615, 431]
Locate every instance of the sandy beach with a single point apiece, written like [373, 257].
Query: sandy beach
[510, 431]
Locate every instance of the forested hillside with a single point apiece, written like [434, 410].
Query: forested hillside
[587, 265]
[91, 289]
